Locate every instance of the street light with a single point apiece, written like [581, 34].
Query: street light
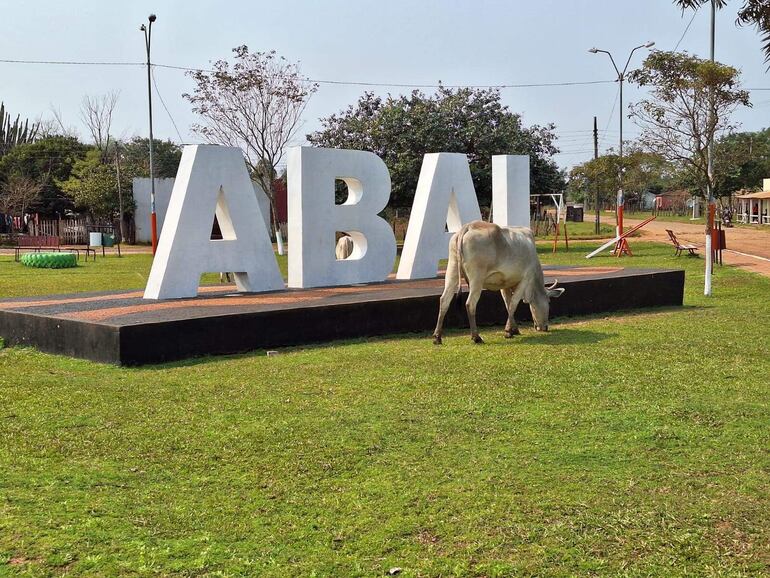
[621, 78]
[153, 217]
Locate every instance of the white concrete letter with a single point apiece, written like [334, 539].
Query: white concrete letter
[445, 198]
[212, 180]
[510, 190]
[314, 218]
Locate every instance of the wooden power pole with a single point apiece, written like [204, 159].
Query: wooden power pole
[596, 197]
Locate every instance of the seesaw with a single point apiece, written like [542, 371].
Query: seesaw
[621, 245]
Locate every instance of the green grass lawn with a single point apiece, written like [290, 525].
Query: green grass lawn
[632, 444]
[584, 230]
[105, 274]
[687, 218]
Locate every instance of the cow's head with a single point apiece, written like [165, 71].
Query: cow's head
[541, 304]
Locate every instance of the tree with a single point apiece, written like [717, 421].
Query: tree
[96, 113]
[48, 161]
[752, 13]
[643, 172]
[93, 186]
[676, 122]
[256, 105]
[741, 161]
[135, 156]
[17, 194]
[400, 130]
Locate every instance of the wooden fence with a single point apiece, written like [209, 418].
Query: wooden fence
[69, 231]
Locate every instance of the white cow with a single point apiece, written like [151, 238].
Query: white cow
[344, 247]
[496, 258]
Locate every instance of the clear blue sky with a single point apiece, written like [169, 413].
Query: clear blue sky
[468, 42]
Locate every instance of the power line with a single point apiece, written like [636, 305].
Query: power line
[609, 118]
[333, 82]
[418, 85]
[318, 81]
[695, 11]
[163, 102]
[71, 62]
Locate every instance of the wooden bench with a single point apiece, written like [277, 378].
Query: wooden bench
[38, 243]
[692, 249]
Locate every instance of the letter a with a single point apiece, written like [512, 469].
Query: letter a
[212, 180]
[445, 200]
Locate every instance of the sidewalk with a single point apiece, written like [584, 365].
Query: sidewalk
[747, 248]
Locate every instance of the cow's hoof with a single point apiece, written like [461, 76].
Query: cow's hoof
[512, 332]
[477, 339]
[436, 340]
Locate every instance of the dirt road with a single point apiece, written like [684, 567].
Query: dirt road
[747, 247]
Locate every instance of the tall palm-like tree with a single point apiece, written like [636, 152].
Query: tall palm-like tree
[752, 13]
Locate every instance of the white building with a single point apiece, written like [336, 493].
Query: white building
[755, 207]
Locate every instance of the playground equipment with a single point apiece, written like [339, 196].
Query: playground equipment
[49, 260]
[556, 237]
[620, 242]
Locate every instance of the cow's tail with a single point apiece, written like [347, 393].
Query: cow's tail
[459, 249]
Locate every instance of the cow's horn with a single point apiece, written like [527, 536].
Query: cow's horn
[553, 285]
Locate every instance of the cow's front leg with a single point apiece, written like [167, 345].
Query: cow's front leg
[474, 293]
[512, 303]
[510, 326]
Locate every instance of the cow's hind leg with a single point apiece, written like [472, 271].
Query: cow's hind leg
[512, 303]
[450, 286]
[474, 293]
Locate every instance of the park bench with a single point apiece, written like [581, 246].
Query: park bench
[39, 243]
[679, 247]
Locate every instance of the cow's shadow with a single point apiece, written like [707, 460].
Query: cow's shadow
[561, 336]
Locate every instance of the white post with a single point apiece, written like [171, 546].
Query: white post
[279, 241]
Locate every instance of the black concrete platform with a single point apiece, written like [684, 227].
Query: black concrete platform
[121, 327]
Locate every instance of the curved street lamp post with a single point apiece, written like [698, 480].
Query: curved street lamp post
[153, 217]
[621, 77]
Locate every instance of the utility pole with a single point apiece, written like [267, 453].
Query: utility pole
[710, 169]
[596, 156]
[120, 194]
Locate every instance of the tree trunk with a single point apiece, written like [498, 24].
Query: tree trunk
[274, 218]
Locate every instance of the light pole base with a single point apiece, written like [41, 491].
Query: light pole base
[154, 231]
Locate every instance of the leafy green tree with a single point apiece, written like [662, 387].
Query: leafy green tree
[741, 161]
[644, 172]
[400, 130]
[676, 122]
[93, 187]
[135, 156]
[49, 162]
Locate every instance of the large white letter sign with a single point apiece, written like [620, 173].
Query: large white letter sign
[314, 218]
[510, 190]
[212, 180]
[444, 200]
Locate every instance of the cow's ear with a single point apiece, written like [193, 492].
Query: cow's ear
[554, 293]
